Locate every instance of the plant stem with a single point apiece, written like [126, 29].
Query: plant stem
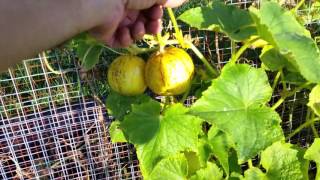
[237, 55]
[212, 70]
[276, 80]
[302, 126]
[284, 86]
[178, 32]
[295, 9]
[136, 50]
[185, 95]
[250, 163]
[314, 130]
[288, 94]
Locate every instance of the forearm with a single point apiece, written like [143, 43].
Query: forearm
[30, 26]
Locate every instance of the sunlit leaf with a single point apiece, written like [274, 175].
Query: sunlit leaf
[157, 136]
[229, 19]
[283, 161]
[281, 29]
[235, 103]
[172, 167]
[116, 134]
[211, 172]
[314, 100]
[313, 153]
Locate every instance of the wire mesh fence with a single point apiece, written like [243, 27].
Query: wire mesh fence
[55, 126]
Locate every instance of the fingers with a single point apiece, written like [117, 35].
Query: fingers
[154, 27]
[145, 4]
[173, 3]
[138, 30]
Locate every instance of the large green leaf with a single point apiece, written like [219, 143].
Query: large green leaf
[158, 136]
[211, 172]
[313, 153]
[143, 122]
[235, 103]
[172, 167]
[281, 29]
[314, 99]
[118, 106]
[231, 20]
[282, 161]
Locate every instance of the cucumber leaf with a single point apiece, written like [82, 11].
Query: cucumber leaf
[283, 161]
[314, 100]
[172, 167]
[157, 136]
[220, 145]
[254, 174]
[116, 134]
[118, 106]
[281, 29]
[235, 103]
[211, 172]
[313, 153]
[235, 22]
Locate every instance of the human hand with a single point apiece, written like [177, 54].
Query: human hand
[130, 20]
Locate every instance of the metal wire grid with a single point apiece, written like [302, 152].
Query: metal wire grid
[55, 132]
[51, 128]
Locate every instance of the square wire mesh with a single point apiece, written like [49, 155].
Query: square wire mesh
[50, 130]
[52, 127]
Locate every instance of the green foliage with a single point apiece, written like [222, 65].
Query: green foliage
[313, 153]
[281, 29]
[88, 50]
[118, 106]
[235, 103]
[274, 60]
[314, 100]
[177, 131]
[116, 134]
[175, 167]
[220, 144]
[283, 161]
[211, 172]
[236, 23]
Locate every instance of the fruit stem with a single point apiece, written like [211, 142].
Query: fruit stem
[237, 55]
[250, 163]
[288, 94]
[178, 32]
[212, 70]
[112, 50]
[135, 50]
[161, 42]
[185, 95]
[302, 126]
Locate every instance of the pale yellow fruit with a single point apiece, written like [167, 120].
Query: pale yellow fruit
[126, 75]
[169, 72]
